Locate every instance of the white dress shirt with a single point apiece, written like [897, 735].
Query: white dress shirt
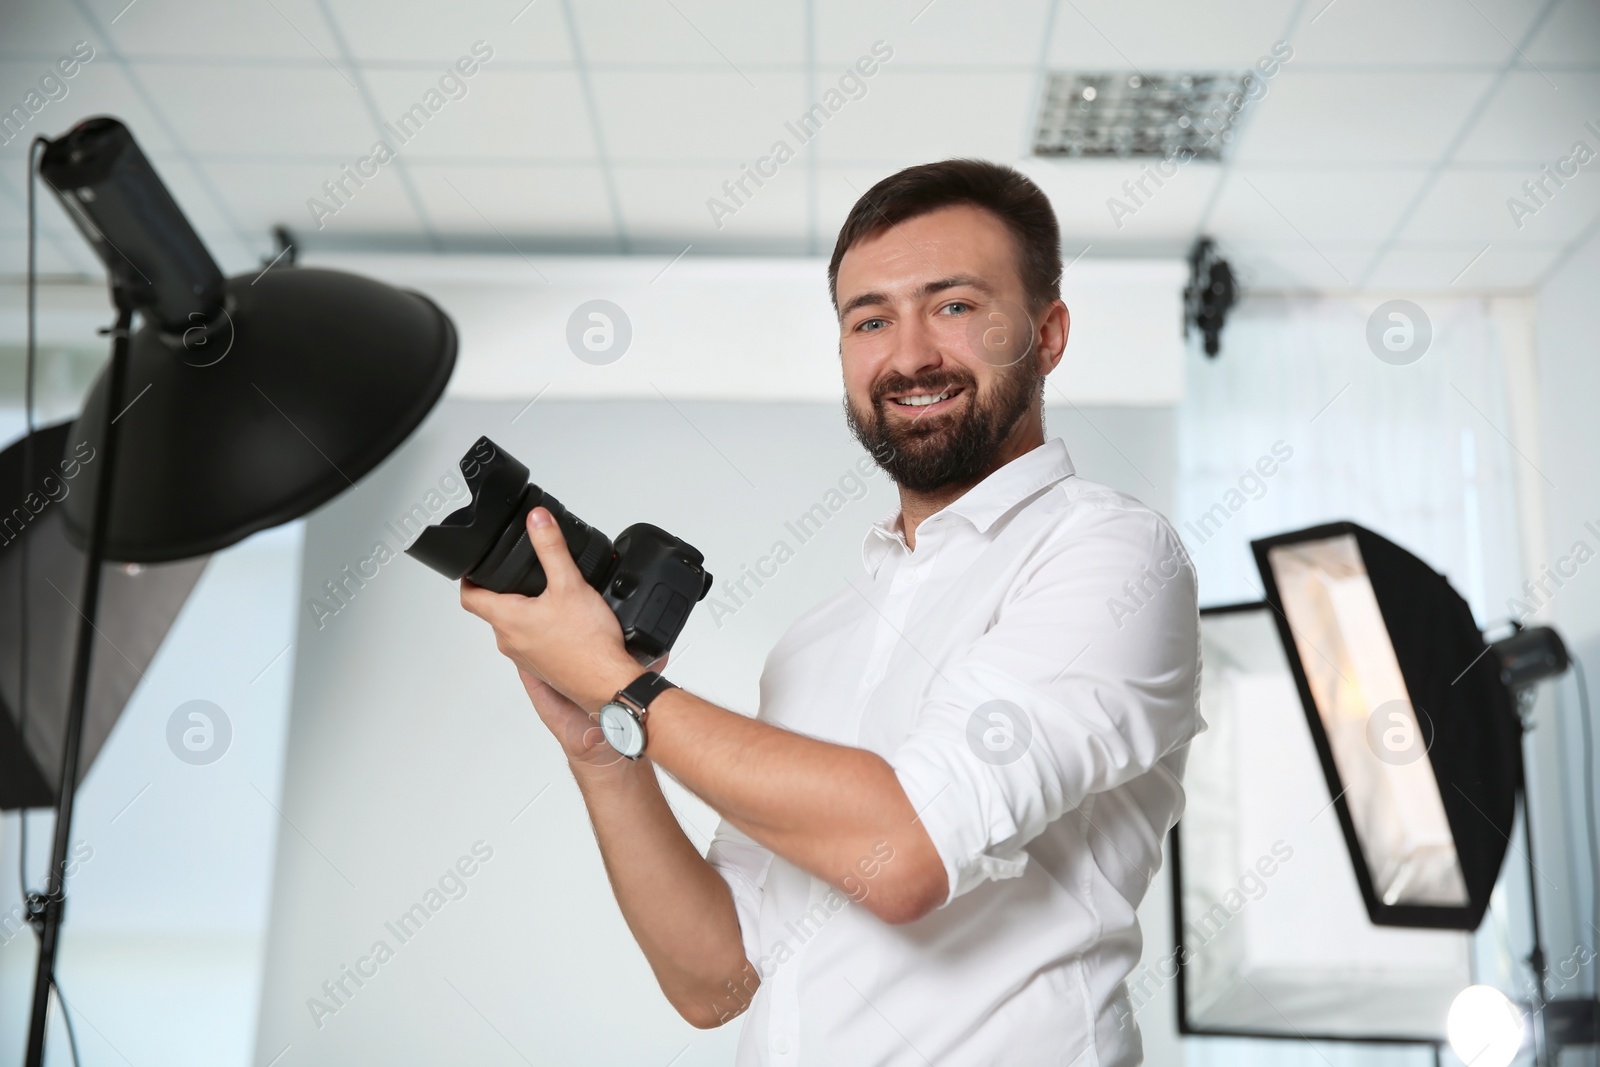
[1030, 672]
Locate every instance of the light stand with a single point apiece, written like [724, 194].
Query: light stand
[237, 405]
[1528, 657]
[1548, 1025]
[45, 910]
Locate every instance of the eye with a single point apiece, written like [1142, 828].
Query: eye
[861, 327]
[957, 307]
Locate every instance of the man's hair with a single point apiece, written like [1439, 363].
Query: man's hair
[1001, 190]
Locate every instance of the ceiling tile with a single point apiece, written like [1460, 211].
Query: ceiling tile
[838, 189]
[265, 194]
[690, 92]
[1413, 34]
[943, 32]
[427, 32]
[185, 31]
[252, 109]
[1297, 264]
[551, 202]
[931, 116]
[1474, 205]
[1168, 35]
[1092, 204]
[531, 115]
[52, 258]
[1461, 267]
[1354, 119]
[1533, 120]
[41, 31]
[695, 116]
[1317, 205]
[1570, 35]
[671, 203]
[697, 33]
[100, 87]
[62, 243]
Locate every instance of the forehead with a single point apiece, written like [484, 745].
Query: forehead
[959, 239]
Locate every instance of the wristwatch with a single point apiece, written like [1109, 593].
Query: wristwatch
[622, 718]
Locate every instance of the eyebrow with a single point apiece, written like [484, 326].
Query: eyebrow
[954, 281]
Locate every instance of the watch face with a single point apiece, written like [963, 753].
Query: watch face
[622, 730]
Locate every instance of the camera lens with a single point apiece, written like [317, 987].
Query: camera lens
[512, 565]
[486, 541]
[650, 579]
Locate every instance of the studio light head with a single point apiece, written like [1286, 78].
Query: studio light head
[114, 197]
[250, 400]
[1210, 295]
[1529, 656]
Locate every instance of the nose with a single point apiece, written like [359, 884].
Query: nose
[917, 349]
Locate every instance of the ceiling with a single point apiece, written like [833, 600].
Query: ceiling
[1382, 154]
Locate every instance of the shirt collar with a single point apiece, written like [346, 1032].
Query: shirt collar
[984, 503]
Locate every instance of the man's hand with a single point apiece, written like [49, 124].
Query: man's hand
[580, 736]
[566, 639]
[836, 803]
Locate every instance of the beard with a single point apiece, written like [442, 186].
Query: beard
[954, 448]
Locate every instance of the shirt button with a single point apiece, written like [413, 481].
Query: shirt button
[780, 1045]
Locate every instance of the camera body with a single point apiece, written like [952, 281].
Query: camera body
[650, 579]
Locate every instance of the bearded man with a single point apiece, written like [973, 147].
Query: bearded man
[938, 827]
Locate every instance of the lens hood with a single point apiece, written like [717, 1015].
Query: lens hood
[457, 544]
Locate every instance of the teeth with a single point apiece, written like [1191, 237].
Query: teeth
[922, 400]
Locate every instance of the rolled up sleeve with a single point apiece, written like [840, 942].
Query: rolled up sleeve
[743, 864]
[1084, 680]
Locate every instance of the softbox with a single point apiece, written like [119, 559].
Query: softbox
[1272, 934]
[1418, 738]
[137, 607]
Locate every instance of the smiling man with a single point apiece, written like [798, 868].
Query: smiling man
[937, 829]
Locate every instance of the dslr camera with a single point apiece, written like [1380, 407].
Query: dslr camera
[650, 579]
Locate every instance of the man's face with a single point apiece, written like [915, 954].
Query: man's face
[940, 360]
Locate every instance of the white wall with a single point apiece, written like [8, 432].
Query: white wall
[411, 738]
[703, 327]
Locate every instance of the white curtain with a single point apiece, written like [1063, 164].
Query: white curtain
[1420, 453]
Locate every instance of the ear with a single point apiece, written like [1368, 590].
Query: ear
[1053, 330]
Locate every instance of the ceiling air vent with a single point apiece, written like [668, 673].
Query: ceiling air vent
[1125, 116]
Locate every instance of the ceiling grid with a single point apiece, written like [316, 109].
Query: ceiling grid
[1384, 155]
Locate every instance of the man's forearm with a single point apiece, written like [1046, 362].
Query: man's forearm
[676, 904]
[825, 808]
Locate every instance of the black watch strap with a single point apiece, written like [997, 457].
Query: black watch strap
[645, 688]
